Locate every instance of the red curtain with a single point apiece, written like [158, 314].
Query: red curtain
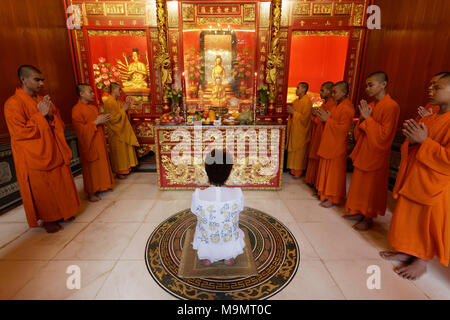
[316, 59]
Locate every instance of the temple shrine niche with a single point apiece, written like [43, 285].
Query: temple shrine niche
[234, 57]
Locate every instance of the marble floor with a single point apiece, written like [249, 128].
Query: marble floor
[107, 241]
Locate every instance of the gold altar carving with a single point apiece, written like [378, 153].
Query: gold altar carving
[131, 33]
[302, 9]
[188, 12]
[221, 20]
[358, 15]
[249, 170]
[342, 8]
[320, 33]
[322, 8]
[94, 9]
[115, 8]
[218, 78]
[163, 57]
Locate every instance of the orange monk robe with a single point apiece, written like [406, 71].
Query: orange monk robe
[97, 175]
[121, 137]
[420, 224]
[299, 134]
[368, 190]
[316, 136]
[331, 175]
[42, 161]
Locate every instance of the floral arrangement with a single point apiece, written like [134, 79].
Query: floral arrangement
[105, 74]
[192, 62]
[242, 66]
[315, 99]
[174, 95]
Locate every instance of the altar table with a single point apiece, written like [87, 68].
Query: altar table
[258, 152]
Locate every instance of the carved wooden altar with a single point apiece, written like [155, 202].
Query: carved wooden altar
[153, 45]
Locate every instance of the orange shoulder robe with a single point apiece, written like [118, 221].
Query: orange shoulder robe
[420, 224]
[316, 136]
[42, 161]
[368, 190]
[97, 175]
[434, 109]
[299, 134]
[331, 175]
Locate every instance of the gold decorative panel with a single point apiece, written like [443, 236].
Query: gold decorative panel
[322, 8]
[302, 9]
[94, 8]
[342, 8]
[249, 12]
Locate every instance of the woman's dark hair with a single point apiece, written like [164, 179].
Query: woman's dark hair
[218, 165]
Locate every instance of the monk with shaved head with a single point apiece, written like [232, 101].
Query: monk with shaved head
[41, 154]
[420, 225]
[331, 174]
[88, 125]
[374, 134]
[316, 133]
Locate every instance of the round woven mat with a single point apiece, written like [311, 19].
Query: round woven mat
[274, 249]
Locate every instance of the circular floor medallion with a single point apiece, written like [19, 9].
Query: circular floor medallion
[274, 249]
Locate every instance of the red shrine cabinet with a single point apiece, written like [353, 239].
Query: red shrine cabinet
[229, 56]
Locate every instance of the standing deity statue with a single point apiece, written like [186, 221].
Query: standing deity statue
[218, 79]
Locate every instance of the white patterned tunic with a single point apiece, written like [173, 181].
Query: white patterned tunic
[217, 235]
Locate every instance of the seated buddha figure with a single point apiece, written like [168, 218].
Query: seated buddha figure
[137, 74]
[218, 77]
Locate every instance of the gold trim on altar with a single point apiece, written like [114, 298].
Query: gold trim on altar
[135, 33]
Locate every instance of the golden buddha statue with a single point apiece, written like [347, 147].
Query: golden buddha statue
[218, 79]
[134, 75]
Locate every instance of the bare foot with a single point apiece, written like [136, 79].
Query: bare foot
[326, 204]
[205, 262]
[229, 262]
[92, 197]
[354, 217]
[414, 270]
[121, 176]
[395, 256]
[52, 227]
[364, 224]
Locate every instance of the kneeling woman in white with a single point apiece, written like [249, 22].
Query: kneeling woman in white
[217, 235]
